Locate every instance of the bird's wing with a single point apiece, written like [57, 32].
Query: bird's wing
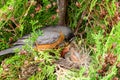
[22, 40]
[68, 33]
[50, 34]
[48, 37]
[50, 42]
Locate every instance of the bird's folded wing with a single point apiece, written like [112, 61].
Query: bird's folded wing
[55, 41]
[48, 37]
[22, 40]
[50, 34]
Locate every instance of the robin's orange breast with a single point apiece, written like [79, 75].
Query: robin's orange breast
[39, 47]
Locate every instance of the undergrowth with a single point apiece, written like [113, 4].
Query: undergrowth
[96, 20]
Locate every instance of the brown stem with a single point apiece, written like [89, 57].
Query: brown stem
[62, 4]
[79, 22]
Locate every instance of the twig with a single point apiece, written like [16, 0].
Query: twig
[79, 22]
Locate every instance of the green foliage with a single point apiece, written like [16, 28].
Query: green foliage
[16, 63]
[103, 46]
[47, 73]
[93, 3]
[75, 12]
[99, 20]
[19, 17]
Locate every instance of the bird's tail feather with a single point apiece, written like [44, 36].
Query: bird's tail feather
[10, 50]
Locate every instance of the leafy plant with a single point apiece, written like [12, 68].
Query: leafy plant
[97, 21]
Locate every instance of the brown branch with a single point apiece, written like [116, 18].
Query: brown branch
[62, 5]
[79, 22]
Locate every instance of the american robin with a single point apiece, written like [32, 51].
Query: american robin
[52, 37]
